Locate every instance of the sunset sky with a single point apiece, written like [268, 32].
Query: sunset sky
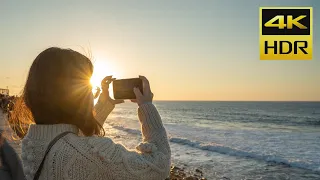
[189, 50]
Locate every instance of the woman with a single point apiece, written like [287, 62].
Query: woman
[59, 96]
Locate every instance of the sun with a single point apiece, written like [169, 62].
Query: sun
[101, 69]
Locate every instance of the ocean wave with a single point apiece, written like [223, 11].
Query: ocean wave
[131, 131]
[220, 148]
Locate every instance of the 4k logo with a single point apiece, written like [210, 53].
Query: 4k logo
[286, 33]
[282, 25]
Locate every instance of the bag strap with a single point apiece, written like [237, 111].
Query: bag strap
[37, 175]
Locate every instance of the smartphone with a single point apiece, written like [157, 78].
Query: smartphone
[123, 88]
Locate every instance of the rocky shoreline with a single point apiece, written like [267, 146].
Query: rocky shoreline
[177, 173]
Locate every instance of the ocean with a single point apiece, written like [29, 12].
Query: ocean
[233, 140]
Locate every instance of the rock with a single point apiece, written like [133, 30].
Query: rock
[175, 168]
[198, 171]
[177, 173]
[191, 178]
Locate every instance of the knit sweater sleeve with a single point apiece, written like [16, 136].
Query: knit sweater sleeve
[102, 110]
[152, 129]
[151, 160]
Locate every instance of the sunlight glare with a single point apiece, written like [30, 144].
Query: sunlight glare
[102, 68]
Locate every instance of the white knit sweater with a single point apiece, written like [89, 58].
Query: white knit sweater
[77, 157]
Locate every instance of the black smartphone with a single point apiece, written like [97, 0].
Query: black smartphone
[123, 88]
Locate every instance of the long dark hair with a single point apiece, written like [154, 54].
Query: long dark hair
[58, 91]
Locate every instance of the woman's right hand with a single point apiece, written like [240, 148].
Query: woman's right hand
[147, 95]
[105, 96]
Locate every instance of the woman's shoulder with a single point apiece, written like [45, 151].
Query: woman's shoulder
[95, 146]
[90, 141]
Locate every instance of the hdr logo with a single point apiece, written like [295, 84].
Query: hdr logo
[286, 33]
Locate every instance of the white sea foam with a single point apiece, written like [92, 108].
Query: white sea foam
[236, 152]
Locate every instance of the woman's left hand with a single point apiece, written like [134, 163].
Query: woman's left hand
[105, 96]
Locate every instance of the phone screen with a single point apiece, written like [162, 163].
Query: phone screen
[123, 88]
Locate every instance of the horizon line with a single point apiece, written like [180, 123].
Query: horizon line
[241, 100]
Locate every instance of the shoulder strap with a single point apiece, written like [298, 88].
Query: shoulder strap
[37, 175]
